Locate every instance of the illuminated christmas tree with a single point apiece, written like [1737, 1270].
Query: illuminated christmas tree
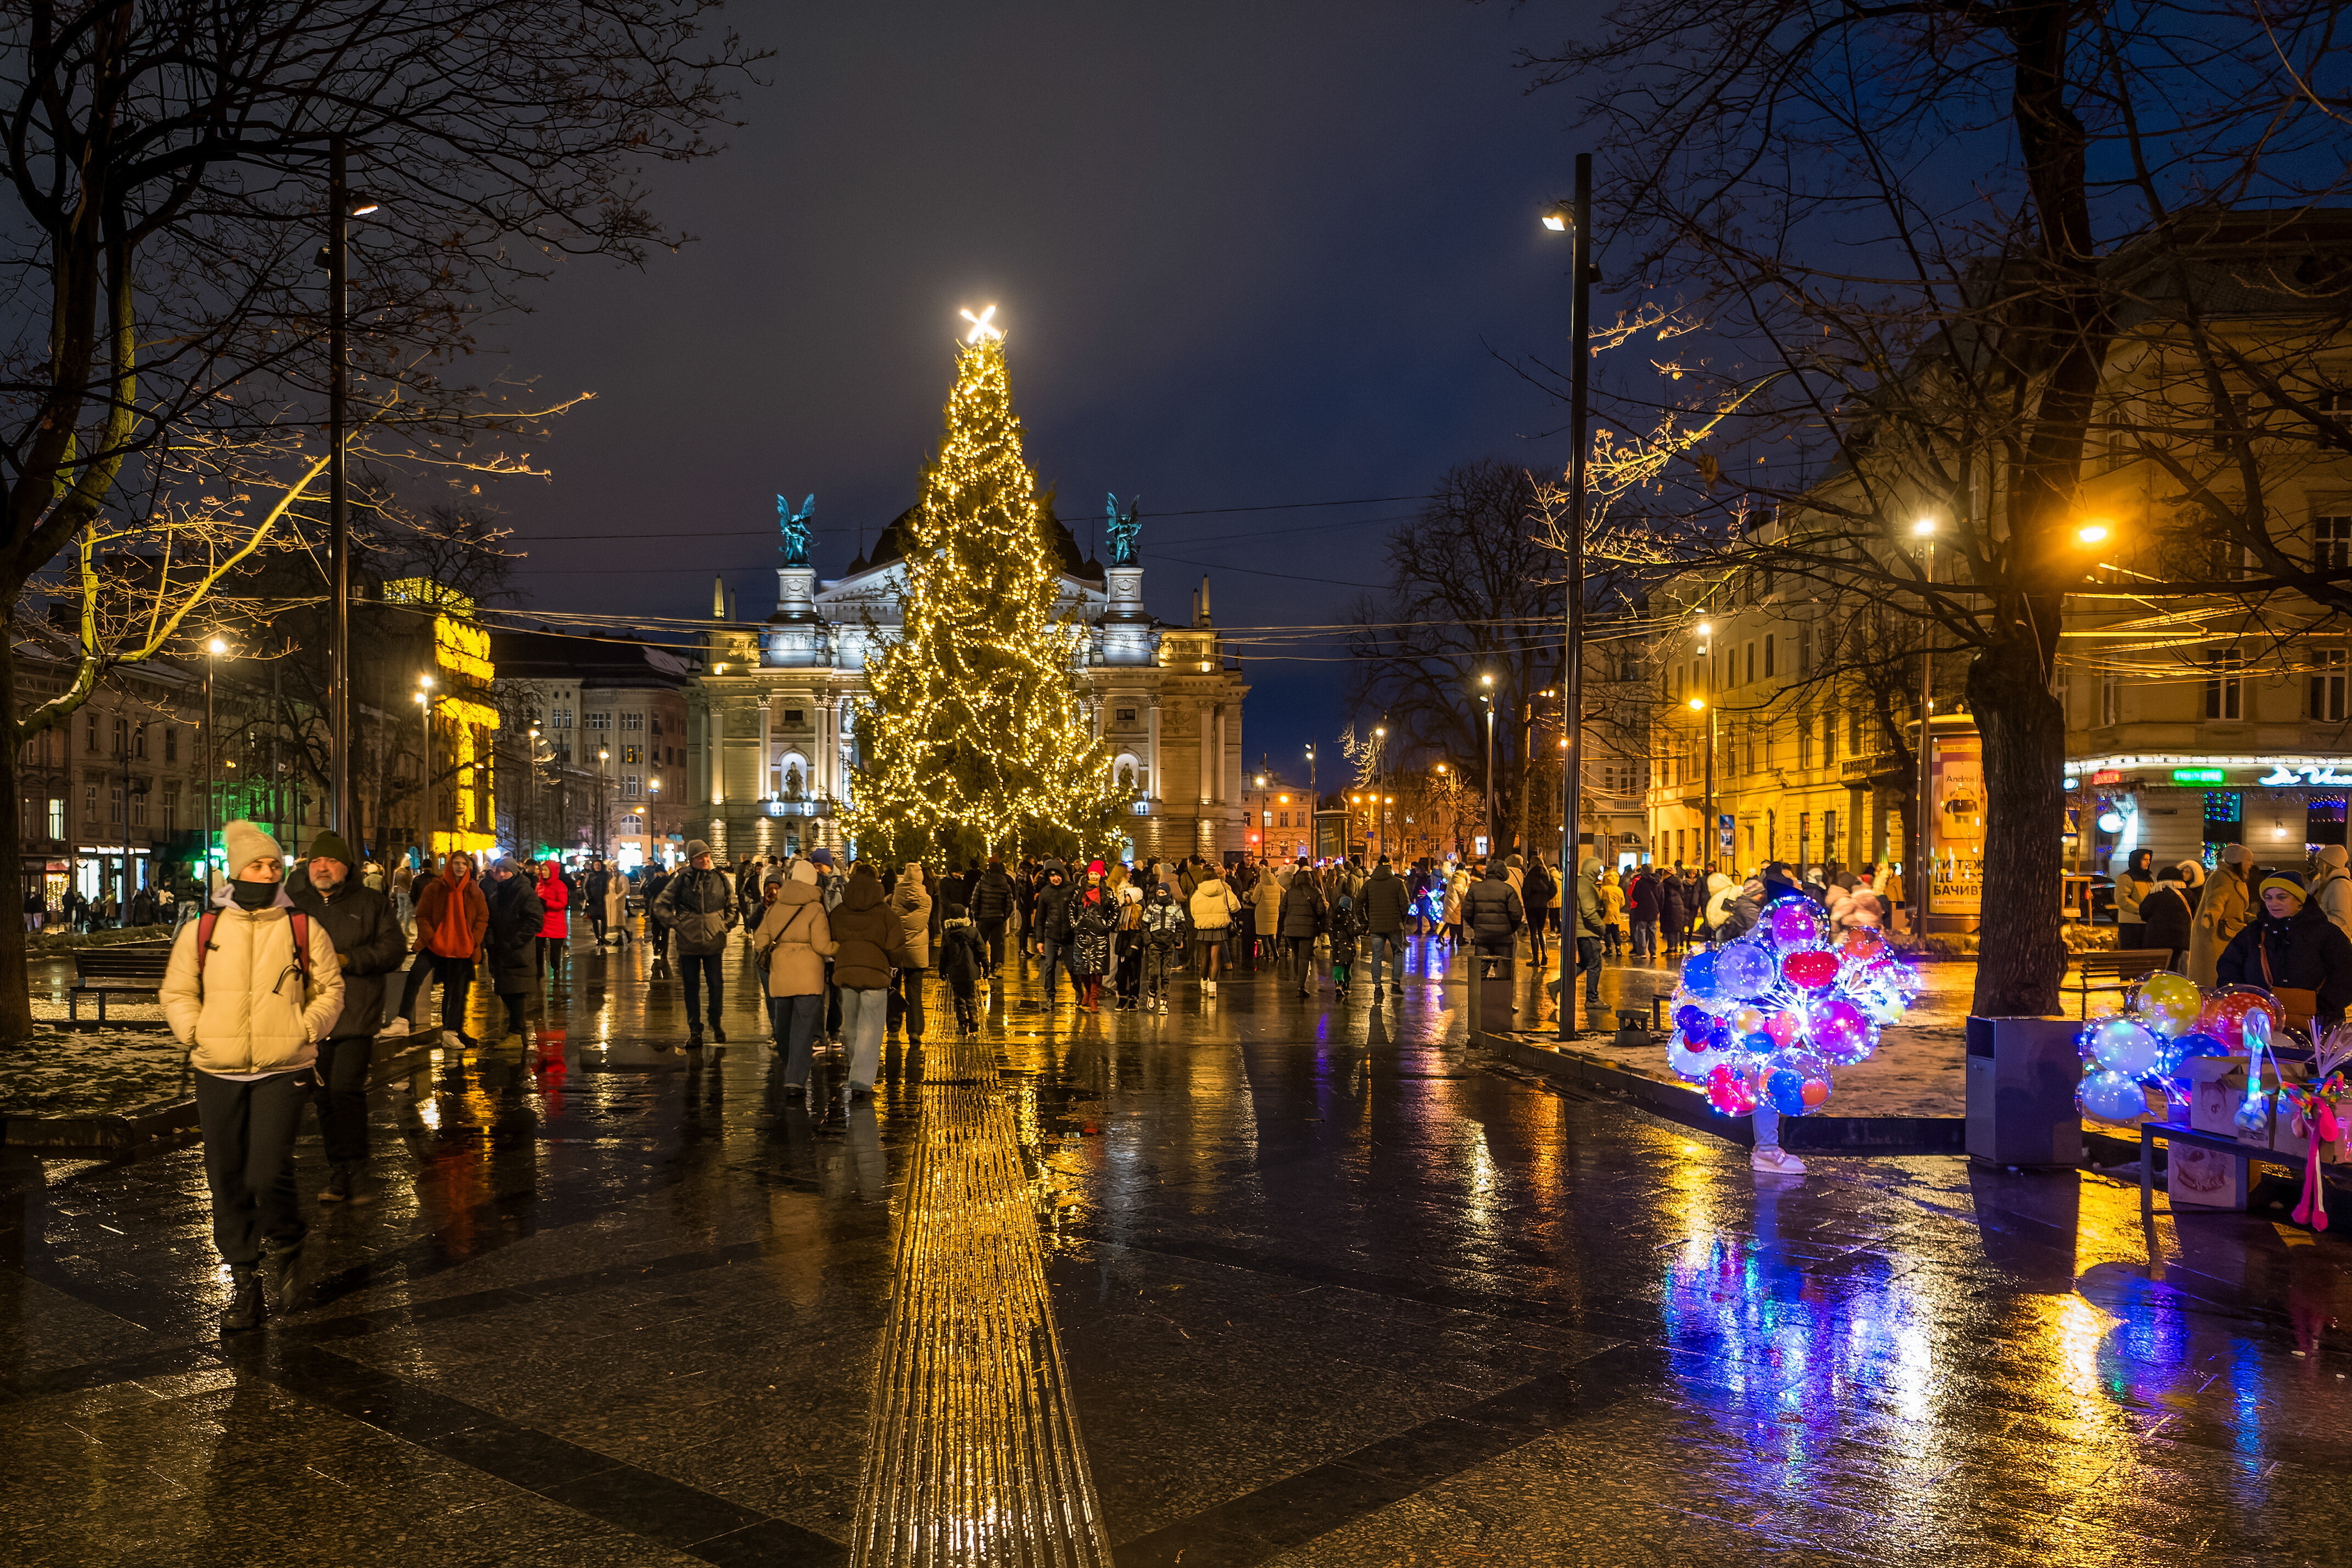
[975, 738]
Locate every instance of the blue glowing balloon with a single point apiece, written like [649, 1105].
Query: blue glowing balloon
[1698, 975]
[2111, 1097]
[1760, 1045]
[2124, 1046]
[1744, 970]
[1784, 1087]
[1691, 1018]
[2200, 1044]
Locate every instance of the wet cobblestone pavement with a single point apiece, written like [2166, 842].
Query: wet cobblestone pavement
[1321, 1287]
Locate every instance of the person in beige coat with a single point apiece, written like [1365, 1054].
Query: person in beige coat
[797, 938]
[2331, 887]
[911, 900]
[251, 1011]
[2221, 913]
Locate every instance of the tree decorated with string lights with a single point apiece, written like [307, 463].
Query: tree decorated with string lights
[975, 738]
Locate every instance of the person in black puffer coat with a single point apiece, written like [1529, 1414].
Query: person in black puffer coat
[1491, 913]
[1643, 907]
[1675, 910]
[2291, 945]
[516, 916]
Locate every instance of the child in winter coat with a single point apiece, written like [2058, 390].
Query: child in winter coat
[962, 963]
[1346, 925]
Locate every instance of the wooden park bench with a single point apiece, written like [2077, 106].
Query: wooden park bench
[2113, 972]
[136, 967]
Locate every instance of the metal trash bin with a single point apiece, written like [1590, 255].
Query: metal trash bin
[2022, 1074]
[1493, 983]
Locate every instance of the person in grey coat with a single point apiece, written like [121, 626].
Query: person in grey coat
[698, 907]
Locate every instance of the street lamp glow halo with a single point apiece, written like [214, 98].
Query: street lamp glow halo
[1697, 704]
[1556, 220]
[2091, 534]
[1924, 529]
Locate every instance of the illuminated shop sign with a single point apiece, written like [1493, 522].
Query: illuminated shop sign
[2304, 773]
[2197, 776]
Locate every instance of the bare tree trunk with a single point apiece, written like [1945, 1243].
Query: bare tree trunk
[15, 980]
[2024, 733]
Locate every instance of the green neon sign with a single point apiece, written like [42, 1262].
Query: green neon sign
[2197, 776]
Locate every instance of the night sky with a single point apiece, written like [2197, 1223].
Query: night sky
[1246, 256]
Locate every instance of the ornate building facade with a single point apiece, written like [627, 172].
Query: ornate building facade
[771, 725]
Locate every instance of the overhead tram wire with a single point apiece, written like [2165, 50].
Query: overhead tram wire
[1185, 512]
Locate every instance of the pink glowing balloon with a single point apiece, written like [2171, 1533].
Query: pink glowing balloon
[1842, 1033]
[1811, 970]
[1729, 1090]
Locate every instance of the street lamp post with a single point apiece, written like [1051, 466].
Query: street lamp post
[1707, 846]
[1313, 809]
[1487, 695]
[1579, 221]
[1920, 881]
[424, 774]
[604, 806]
[213, 649]
[1380, 772]
[341, 209]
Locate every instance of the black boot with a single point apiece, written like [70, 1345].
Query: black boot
[244, 1310]
[717, 1034]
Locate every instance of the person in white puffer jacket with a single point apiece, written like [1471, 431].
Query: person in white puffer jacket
[251, 1011]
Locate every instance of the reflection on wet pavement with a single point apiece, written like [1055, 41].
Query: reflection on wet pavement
[1326, 1290]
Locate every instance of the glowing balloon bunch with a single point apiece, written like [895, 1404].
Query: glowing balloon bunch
[1765, 1020]
[2164, 1020]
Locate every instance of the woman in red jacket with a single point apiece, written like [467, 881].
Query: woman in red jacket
[554, 932]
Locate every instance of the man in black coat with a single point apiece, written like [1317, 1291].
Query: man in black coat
[1049, 930]
[1383, 906]
[369, 945]
[991, 906]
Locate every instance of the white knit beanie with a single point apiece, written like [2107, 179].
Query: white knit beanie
[246, 844]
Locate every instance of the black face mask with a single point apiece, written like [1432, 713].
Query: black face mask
[253, 894]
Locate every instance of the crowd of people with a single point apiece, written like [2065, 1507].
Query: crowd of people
[844, 955]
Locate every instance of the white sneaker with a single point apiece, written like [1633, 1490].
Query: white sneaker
[1776, 1161]
[1210, 986]
[395, 1030]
